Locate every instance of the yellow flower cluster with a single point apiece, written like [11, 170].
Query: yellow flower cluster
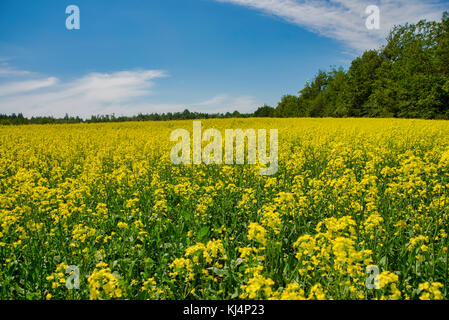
[388, 283]
[58, 278]
[257, 287]
[201, 260]
[430, 291]
[257, 232]
[103, 284]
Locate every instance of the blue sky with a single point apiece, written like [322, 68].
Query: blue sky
[167, 55]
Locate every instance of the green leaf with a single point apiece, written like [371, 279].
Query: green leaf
[204, 231]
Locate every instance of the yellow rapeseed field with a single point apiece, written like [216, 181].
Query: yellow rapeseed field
[359, 209]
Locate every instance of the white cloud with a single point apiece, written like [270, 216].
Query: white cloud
[121, 93]
[90, 94]
[26, 86]
[344, 20]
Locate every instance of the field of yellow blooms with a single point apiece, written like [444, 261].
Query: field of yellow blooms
[350, 195]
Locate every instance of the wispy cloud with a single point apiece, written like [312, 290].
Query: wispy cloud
[344, 20]
[26, 86]
[84, 96]
[122, 93]
[7, 71]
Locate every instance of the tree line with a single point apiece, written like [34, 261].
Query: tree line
[19, 119]
[406, 78]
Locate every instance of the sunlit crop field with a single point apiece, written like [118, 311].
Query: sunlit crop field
[349, 194]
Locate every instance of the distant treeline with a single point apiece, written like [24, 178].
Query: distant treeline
[406, 78]
[17, 119]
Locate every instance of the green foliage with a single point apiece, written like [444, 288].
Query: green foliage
[264, 112]
[407, 78]
[289, 107]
